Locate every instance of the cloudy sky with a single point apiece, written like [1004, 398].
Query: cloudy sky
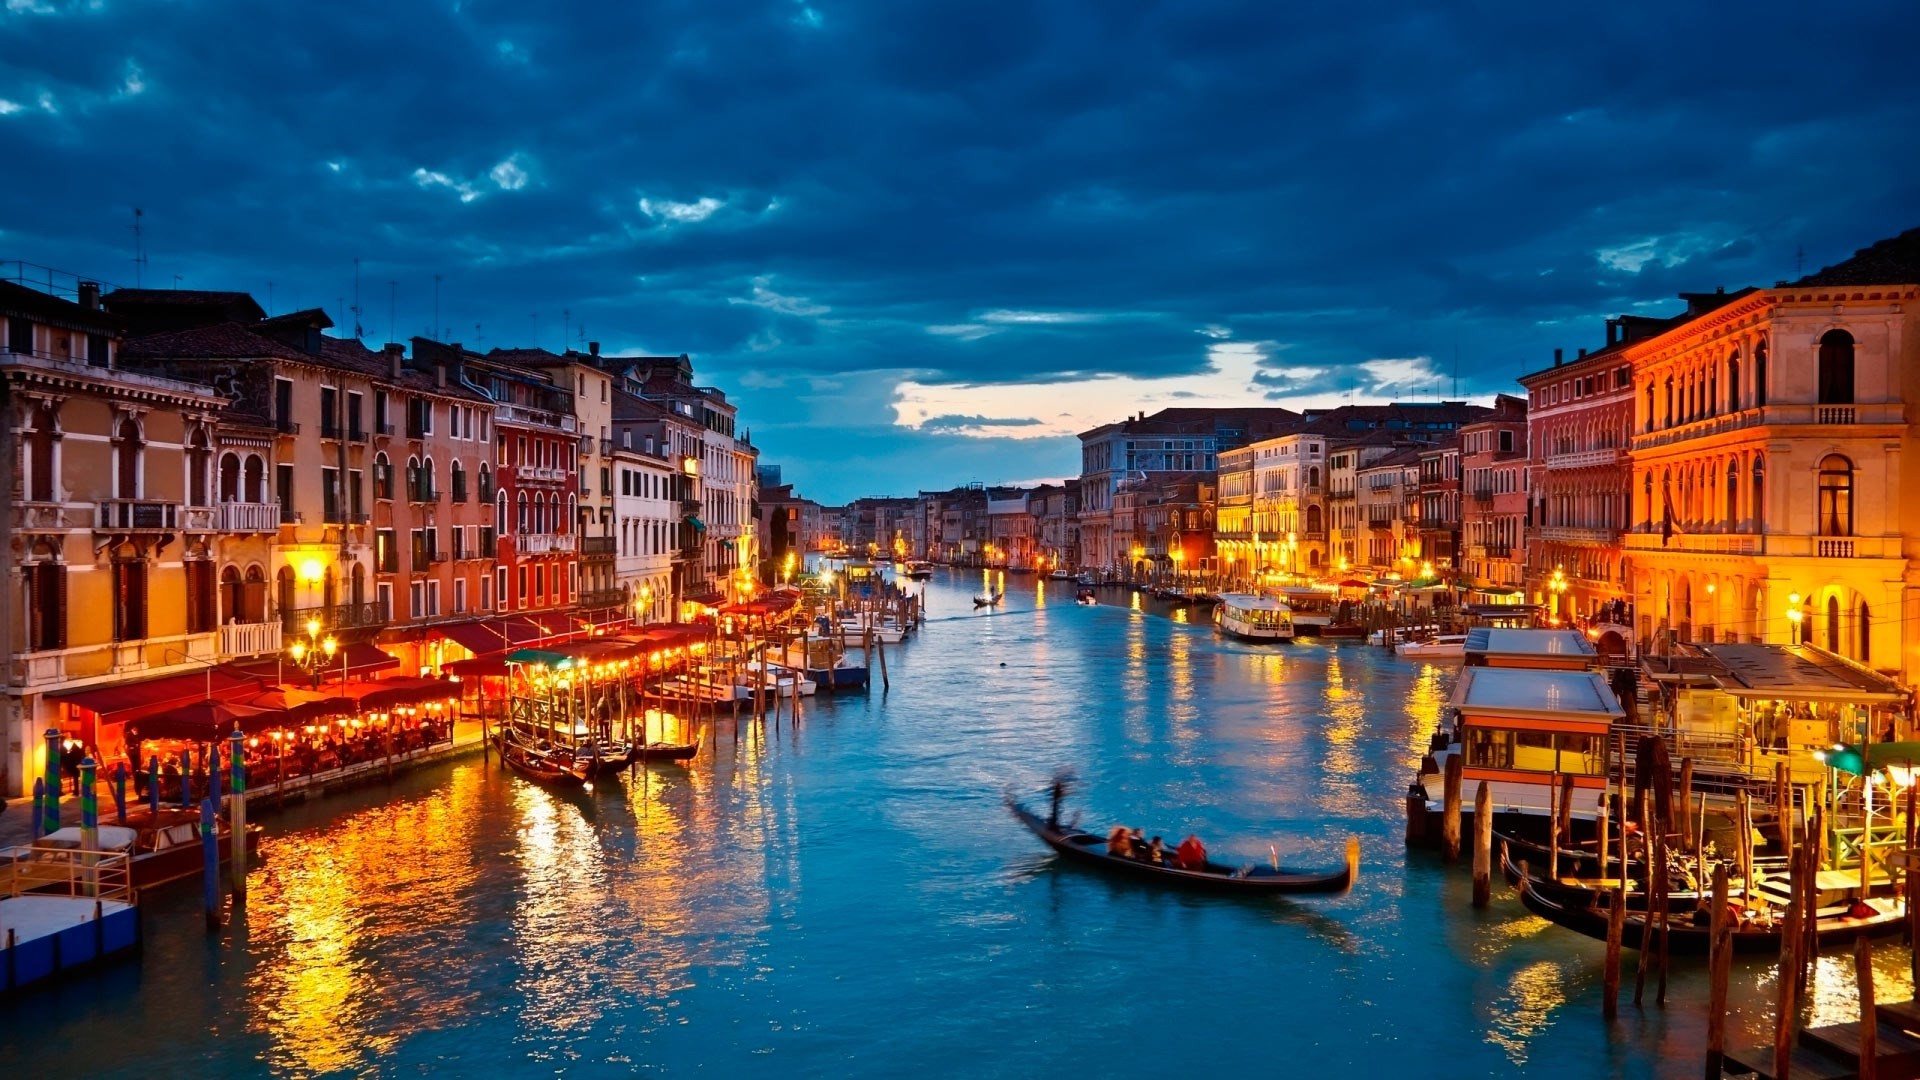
[923, 243]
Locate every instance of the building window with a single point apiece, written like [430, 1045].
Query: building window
[201, 617]
[199, 461]
[126, 451]
[283, 481]
[1836, 496]
[129, 599]
[1733, 383]
[1759, 374]
[1865, 629]
[283, 406]
[382, 477]
[1836, 368]
[329, 413]
[1833, 624]
[41, 440]
[1759, 491]
[386, 554]
[46, 606]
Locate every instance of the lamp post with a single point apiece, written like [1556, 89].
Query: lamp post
[1793, 618]
[315, 653]
[1557, 586]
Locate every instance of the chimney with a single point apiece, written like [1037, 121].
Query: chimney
[593, 348]
[396, 353]
[1557, 355]
[1583, 354]
[90, 295]
[440, 374]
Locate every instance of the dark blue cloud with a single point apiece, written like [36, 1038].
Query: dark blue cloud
[818, 199]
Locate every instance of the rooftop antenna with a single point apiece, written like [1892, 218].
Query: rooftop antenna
[176, 283]
[436, 331]
[357, 332]
[478, 337]
[393, 292]
[1456, 369]
[139, 247]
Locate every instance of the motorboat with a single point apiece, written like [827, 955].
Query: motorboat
[919, 571]
[1439, 647]
[1253, 618]
[1085, 598]
[160, 848]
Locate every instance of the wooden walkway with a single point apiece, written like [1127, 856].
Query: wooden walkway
[1833, 1052]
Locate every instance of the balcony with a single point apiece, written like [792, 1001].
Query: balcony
[1482, 494]
[436, 556]
[1586, 459]
[1827, 547]
[1695, 543]
[602, 598]
[689, 506]
[421, 493]
[247, 517]
[383, 429]
[356, 433]
[39, 516]
[249, 639]
[544, 543]
[1577, 534]
[597, 546]
[520, 414]
[330, 430]
[338, 617]
[286, 427]
[133, 515]
[1886, 413]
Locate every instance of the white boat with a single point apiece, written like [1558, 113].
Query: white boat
[1060, 575]
[919, 571]
[710, 687]
[785, 679]
[1400, 633]
[1253, 618]
[1443, 647]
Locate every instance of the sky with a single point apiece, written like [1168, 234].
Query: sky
[923, 244]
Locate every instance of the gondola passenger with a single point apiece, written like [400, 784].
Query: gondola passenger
[1191, 854]
[1120, 842]
[1156, 852]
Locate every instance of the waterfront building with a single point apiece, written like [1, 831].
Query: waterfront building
[1170, 441]
[1770, 431]
[1387, 493]
[1494, 477]
[111, 521]
[1289, 501]
[1010, 529]
[1439, 513]
[1055, 508]
[668, 432]
[1175, 526]
[646, 524]
[1346, 521]
[1233, 517]
[1579, 421]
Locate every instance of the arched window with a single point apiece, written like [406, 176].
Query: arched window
[1836, 368]
[199, 457]
[254, 485]
[253, 606]
[1713, 391]
[1649, 406]
[1670, 416]
[1864, 622]
[499, 514]
[1313, 521]
[573, 504]
[40, 444]
[229, 478]
[457, 479]
[126, 454]
[1646, 486]
[1759, 374]
[427, 493]
[521, 505]
[1833, 624]
[283, 582]
[1759, 494]
[1836, 496]
[413, 479]
[1733, 495]
[1733, 383]
[233, 592]
[382, 476]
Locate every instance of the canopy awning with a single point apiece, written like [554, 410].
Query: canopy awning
[128, 701]
[709, 598]
[543, 657]
[479, 638]
[479, 667]
[200, 721]
[696, 523]
[360, 658]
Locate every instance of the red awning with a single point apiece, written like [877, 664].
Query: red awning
[361, 659]
[121, 702]
[479, 638]
[707, 598]
[480, 667]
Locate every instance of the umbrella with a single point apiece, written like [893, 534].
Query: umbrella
[202, 721]
[1353, 583]
[1858, 760]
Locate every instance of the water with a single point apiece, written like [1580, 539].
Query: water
[850, 898]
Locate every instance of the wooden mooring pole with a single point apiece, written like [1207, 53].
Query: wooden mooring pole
[1790, 945]
[1685, 802]
[1720, 966]
[1869, 1016]
[1482, 845]
[1450, 809]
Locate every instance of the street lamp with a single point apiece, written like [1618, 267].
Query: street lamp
[315, 653]
[1793, 618]
[1557, 585]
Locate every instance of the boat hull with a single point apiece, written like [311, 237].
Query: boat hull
[1086, 849]
[1687, 938]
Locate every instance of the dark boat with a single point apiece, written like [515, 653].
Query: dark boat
[1087, 849]
[1344, 631]
[535, 767]
[1836, 925]
[988, 601]
[1577, 858]
[1580, 892]
[666, 751]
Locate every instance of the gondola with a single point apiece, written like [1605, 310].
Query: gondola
[1685, 937]
[539, 769]
[1087, 849]
[666, 751]
[988, 601]
[1577, 858]
[1580, 892]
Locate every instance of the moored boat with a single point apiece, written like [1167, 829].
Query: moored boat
[159, 849]
[667, 751]
[1438, 647]
[1878, 917]
[1087, 849]
[1253, 618]
[538, 767]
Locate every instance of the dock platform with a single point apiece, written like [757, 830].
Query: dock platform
[50, 928]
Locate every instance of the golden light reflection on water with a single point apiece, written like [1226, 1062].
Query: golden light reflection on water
[1180, 615]
[1348, 782]
[1526, 1009]
[1426, 701]
[328, 902]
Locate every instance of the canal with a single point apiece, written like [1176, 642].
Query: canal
[848, 896]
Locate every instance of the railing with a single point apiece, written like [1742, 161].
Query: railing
[1483, 494]
[1833, 414]
[329, 430]
[1577, 534]
[356, 434]
[436, 556]
[606, 447]
[339, 616]
[286, 427]
[27, 515]
[383, 428]
[420, 493]
[249, 639]
[248, 517]
[597, 545]
[520, 414]
[1584, 459]
[544, 543]
[689, 506]
[134, 514]
[459, 493]
[602, 598]
[288, 515]
[1829, 548]
[1714, 543]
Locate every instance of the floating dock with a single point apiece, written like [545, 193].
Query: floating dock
[60, 927]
